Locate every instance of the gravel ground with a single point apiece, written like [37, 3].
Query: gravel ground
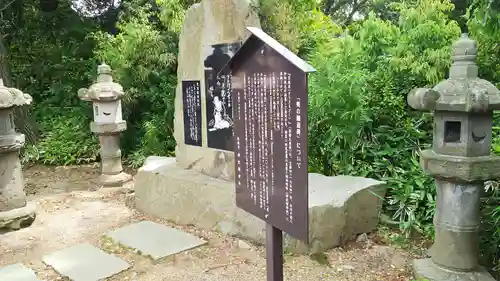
[71, 211]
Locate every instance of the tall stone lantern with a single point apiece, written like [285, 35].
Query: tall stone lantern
[15, 211]
[460, 162]
[106, 96]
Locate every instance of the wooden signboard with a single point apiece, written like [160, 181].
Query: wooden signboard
[270, 94]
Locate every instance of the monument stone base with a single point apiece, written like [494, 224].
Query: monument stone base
[114, 180]
[426, 269]
[18, 218]
[339, 207]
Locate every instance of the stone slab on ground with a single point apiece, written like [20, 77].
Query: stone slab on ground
[154, 240]
[64, 220]
[339, 207]
[427, 270]
[84, 262]
[18, 218]
[17, 272]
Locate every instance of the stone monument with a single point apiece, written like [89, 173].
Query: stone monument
[197, 187]
[460, 161]
[108, 124]
[15, 211]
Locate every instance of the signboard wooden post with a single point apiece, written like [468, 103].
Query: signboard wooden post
[269, 87]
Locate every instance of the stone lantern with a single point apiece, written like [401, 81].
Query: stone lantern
[15, 211]
[460, 162]
[105, 96]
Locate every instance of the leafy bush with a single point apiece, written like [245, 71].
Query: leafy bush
[66, 140]
[484, 25]
[149, 76]
[490, 211]
[143, 58]
[360, 123]
[50, 59]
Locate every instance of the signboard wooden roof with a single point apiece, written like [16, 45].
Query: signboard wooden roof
[258, 34]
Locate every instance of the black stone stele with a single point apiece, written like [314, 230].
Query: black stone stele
[191, 101]
[270, 93]
[218, 96]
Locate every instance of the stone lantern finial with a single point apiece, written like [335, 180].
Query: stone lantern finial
[103, 69]
[104, 89]
[464, 53]
[104, 73]
[464, 48]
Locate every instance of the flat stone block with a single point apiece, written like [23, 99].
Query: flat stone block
[112, 128]
[469, 169]
[339, 207]
[17, 272]
[154, 240]
[85, 262]
[114, 180]
[426, 269]
[19, 218]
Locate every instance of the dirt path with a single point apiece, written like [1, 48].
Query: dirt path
[70, 212]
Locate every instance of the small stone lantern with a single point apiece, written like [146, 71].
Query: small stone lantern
[105, 96]
[460, 162]
[15, 211]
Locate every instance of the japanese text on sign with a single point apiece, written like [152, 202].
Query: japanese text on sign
[192, 112]
[269, 149]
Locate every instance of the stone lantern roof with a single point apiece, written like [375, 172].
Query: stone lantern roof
[464, 91]
[11, 97]
[105, 89]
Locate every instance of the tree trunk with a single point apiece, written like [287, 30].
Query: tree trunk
[48, 6]
[24, 123]
[4, 67]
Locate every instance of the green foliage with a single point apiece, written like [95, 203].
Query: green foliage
[299, 25]
[64, 141]
[359, 121]
[490, 236]
[148, 76]
[50, 59]
[484, 25]
[74, 47]
[490, 211]
[56, 38]
[336, 98]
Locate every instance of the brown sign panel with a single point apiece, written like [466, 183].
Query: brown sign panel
[270, 135]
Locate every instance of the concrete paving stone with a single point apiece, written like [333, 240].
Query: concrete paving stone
[17, 272]
[155, 240]
[85, 262]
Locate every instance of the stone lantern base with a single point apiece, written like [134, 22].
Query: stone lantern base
[18, 218]
[426, 269]
[114, 180]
